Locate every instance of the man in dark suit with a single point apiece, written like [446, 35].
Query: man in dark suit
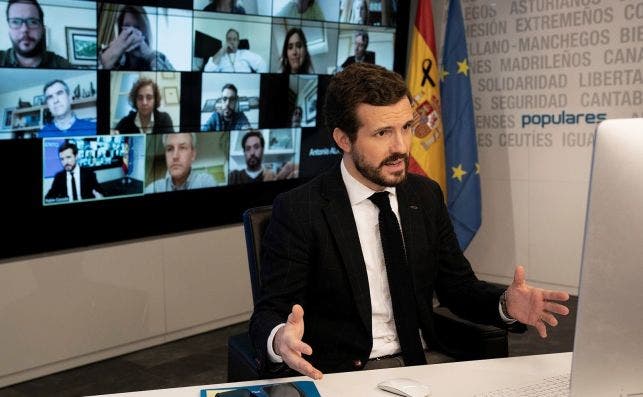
[73, 182]
[361, 55]
[322, 250]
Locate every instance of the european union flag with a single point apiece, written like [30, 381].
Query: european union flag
[463, 179]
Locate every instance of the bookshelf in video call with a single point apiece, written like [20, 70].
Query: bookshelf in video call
[27, 121]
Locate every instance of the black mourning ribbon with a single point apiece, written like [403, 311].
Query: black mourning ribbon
[399, 281]
[426, 68]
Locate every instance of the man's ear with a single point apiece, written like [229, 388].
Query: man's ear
[342, 140]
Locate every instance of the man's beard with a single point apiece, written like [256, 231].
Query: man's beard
[37, 50]
[227, 114]
[374, 174]
[253, 163]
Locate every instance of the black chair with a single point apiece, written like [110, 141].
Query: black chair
[462, 339]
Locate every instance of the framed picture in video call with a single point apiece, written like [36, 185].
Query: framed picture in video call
[81, 46]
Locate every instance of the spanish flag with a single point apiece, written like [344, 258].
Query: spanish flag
[423, 79]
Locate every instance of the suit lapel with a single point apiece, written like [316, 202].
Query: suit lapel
[341, 222]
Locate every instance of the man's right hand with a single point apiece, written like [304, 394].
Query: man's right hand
[287, 344]
[216, 58]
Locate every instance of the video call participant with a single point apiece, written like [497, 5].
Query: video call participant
[180, 153]
[359, 12]
[73, 182]
[26, 23]
[324, 250]
[231, 59]
[361, 55]
[305, 9]
[294, 54]
[131, 50]
[225, 6]
[227, 117]
[65, 123]
[295, 120]
[253, 145]
[145, 98]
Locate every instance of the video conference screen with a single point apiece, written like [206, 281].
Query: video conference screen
[124, 120]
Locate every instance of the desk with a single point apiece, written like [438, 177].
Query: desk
[446, 380]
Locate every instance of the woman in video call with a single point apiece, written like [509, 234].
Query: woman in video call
[130, 50]
[145, 98]
[294, 55]
[359, 13]
[225, 6]
[295, 119]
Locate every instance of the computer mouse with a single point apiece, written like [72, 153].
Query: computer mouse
[405, 387]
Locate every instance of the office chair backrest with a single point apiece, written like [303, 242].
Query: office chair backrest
[255, 221]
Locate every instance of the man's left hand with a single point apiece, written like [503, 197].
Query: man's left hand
[534, 306]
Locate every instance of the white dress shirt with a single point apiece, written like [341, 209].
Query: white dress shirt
[366, 214]
[240, 61]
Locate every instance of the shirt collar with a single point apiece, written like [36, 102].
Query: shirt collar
[357, 192]
[75, 171]
[171, 186]
[13, 59]
[137, 122]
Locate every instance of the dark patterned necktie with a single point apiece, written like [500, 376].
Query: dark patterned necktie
[399, 282]
[74, 192]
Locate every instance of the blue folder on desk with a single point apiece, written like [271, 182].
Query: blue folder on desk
[294, 389]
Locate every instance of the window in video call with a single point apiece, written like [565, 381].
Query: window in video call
[116, 108]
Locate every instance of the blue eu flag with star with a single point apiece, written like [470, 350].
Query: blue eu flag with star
[463, 179]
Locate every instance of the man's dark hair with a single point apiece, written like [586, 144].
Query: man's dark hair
[68, 145]
[230, 87]
[41, 15]
[142, 82]
[364, 34]
[232, 30]
[360, 83]
[52, 82]
[250, 133]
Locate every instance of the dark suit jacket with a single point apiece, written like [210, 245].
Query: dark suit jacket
[369, 57]
[162, 124]
[88, 183]
[312, 256]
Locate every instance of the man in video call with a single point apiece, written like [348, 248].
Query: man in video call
[73, 182]
[232, 59]
[180, 153]
[361, 55]
[253, 145]
[362, 248]
[26, 23]
[64, 123]
[227, 117]
[304, 9]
